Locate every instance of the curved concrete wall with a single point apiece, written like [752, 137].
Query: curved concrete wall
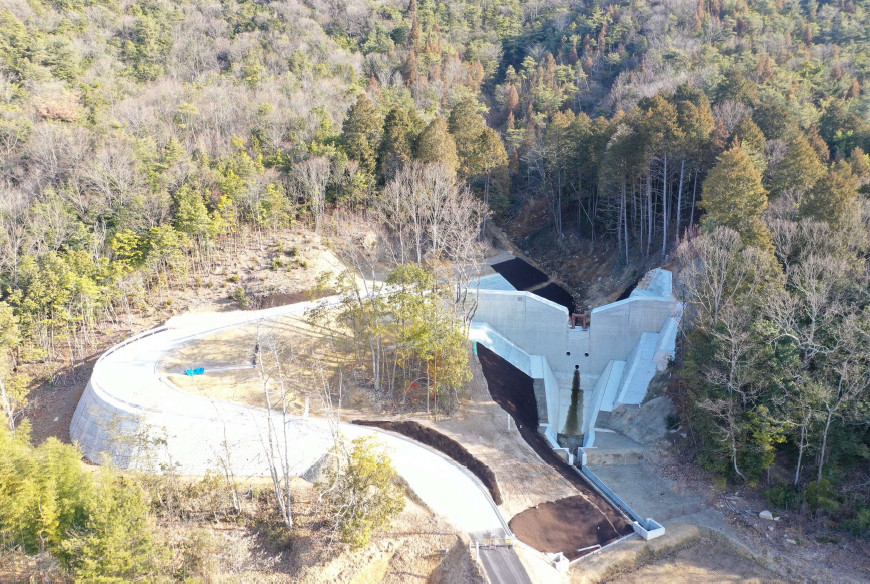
[128, 414]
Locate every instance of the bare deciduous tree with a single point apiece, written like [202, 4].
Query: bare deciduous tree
[311, 178]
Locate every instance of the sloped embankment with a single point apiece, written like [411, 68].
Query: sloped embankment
[445, 444]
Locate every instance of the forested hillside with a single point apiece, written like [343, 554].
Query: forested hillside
[142, 142]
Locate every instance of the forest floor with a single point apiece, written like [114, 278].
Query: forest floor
[594, 271]
[253, 548]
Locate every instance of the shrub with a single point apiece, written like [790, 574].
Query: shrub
[859, 524]
[361, 495]
[821, 496]
[95, 523]
[240, 296]
[783, 497]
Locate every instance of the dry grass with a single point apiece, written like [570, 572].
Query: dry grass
[255, 547]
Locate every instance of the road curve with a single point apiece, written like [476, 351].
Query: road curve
[129, 414]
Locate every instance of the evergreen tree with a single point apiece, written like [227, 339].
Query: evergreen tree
[191, 217]
[512, 101]
[800, 169]
[363, 497]
[466, 125]
[752, 141]
[361, 134]
[490, 159]
[834, 199]
[401, 127]
[774, 120]
[436, 145]
[13, 384]
[118, 543]
[737, 87]
[734, 197]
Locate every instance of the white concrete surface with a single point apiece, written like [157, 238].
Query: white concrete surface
[126, 402]
[496, 342]
[494, 282]
[631, 339]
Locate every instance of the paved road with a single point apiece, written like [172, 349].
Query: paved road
[125, 386]
[503, 566]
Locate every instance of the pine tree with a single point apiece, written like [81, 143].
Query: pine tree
[861, 169]
[436, 145]
[512, 101]
[414, 36]
[119, 542]
[361, 135]
[734, 197]
[490, 159]
[191, 217]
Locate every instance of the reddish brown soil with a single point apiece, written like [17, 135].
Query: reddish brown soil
[521, 274]
[512, 389]
[589, 518]
[566, 526]
[445, 444]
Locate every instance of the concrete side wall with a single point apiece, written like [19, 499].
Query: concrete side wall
[552, 388]
[616, 328]
[493, 340]
[539, 326]
[597, 398]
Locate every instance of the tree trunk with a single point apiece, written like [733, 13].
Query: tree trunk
[679, 202]
[649, 218]
[665, 204]
[801, 447]
[625, 224]
[824, 443]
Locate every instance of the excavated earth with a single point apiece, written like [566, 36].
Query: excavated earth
[566, 525]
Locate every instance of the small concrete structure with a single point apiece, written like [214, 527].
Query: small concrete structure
[626, 343]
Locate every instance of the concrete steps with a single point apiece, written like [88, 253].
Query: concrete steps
[603, 421]
[613, 448]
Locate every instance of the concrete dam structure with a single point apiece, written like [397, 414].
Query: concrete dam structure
[127, 403]
[616, 354]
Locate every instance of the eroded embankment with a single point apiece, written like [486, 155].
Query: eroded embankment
[445, 444]
[568, 524]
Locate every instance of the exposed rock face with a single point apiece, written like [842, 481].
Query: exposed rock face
[645, 424]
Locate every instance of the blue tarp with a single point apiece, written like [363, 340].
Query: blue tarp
[197, 371]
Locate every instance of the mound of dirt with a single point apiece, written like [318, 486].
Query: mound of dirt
[567, 525]
[445, 444]
[521, 274]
